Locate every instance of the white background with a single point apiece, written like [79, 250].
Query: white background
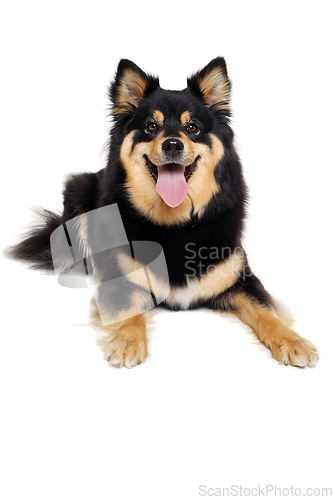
[210, 407]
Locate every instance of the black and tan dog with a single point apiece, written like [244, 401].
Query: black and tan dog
[175, 176]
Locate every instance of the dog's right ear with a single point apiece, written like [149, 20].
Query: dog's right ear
[212, 85]
[130, 86]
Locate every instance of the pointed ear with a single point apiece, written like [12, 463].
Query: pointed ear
[212, 84]
[130, 86]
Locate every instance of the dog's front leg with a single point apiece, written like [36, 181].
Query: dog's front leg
[123, 324]
[286, 345]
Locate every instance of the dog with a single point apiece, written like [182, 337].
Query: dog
[177, 184]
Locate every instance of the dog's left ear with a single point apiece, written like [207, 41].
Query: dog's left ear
[212, 84]
[130, 86]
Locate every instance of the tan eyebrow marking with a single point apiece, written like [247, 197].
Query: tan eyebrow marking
[185, 117]
[158, 116]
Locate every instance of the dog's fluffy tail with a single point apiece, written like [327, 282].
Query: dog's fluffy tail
[35, 248]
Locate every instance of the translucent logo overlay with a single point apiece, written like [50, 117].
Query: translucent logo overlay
[126, 277]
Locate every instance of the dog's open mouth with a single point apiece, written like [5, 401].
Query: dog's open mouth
[171, 180]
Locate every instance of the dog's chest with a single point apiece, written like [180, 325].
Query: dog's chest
[197, 290]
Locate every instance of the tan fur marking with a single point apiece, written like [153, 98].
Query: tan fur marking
[158, 116]
[185, 117]
[217, 280]
[286, 345]
[202, 184]
[126, 263]
[125, 342]
[131, 91]
[215, 87]
[220, 277]
[159, 288]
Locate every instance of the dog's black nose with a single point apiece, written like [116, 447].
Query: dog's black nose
[172, 146]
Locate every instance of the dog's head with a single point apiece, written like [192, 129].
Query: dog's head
[171, 143]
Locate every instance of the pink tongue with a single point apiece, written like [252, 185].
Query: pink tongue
[171, 184]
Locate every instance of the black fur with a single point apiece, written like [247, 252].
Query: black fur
[35, 248]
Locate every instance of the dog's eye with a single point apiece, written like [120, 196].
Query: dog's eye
[191, 128]
[152, 127]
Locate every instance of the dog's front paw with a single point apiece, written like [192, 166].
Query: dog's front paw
[292, 349]
[126, 349]
[124, 343]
